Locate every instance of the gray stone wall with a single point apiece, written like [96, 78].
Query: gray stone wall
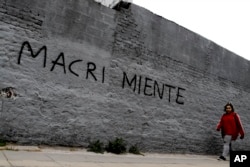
[84, 72]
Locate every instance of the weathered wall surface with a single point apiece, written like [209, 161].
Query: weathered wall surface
[86, 72]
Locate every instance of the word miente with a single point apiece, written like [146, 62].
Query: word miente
[150, 87]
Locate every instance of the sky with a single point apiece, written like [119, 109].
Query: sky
[225, 22]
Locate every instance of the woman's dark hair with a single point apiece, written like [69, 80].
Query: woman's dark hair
[229, 104]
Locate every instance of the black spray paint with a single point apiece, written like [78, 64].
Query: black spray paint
[139, 84]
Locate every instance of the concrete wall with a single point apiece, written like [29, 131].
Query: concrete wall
[85, 72]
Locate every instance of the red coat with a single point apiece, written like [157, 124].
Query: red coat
[230, 124]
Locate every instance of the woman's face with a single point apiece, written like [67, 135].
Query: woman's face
[228, 109]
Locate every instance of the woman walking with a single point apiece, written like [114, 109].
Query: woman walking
[230, 126]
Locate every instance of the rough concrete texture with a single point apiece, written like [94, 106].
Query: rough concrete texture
[85, 72]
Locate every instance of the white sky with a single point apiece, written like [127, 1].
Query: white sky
[225, 22]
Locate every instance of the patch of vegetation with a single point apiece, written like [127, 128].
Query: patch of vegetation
[134, 150]
[96, 146]
[118, 146]
[2, 143]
